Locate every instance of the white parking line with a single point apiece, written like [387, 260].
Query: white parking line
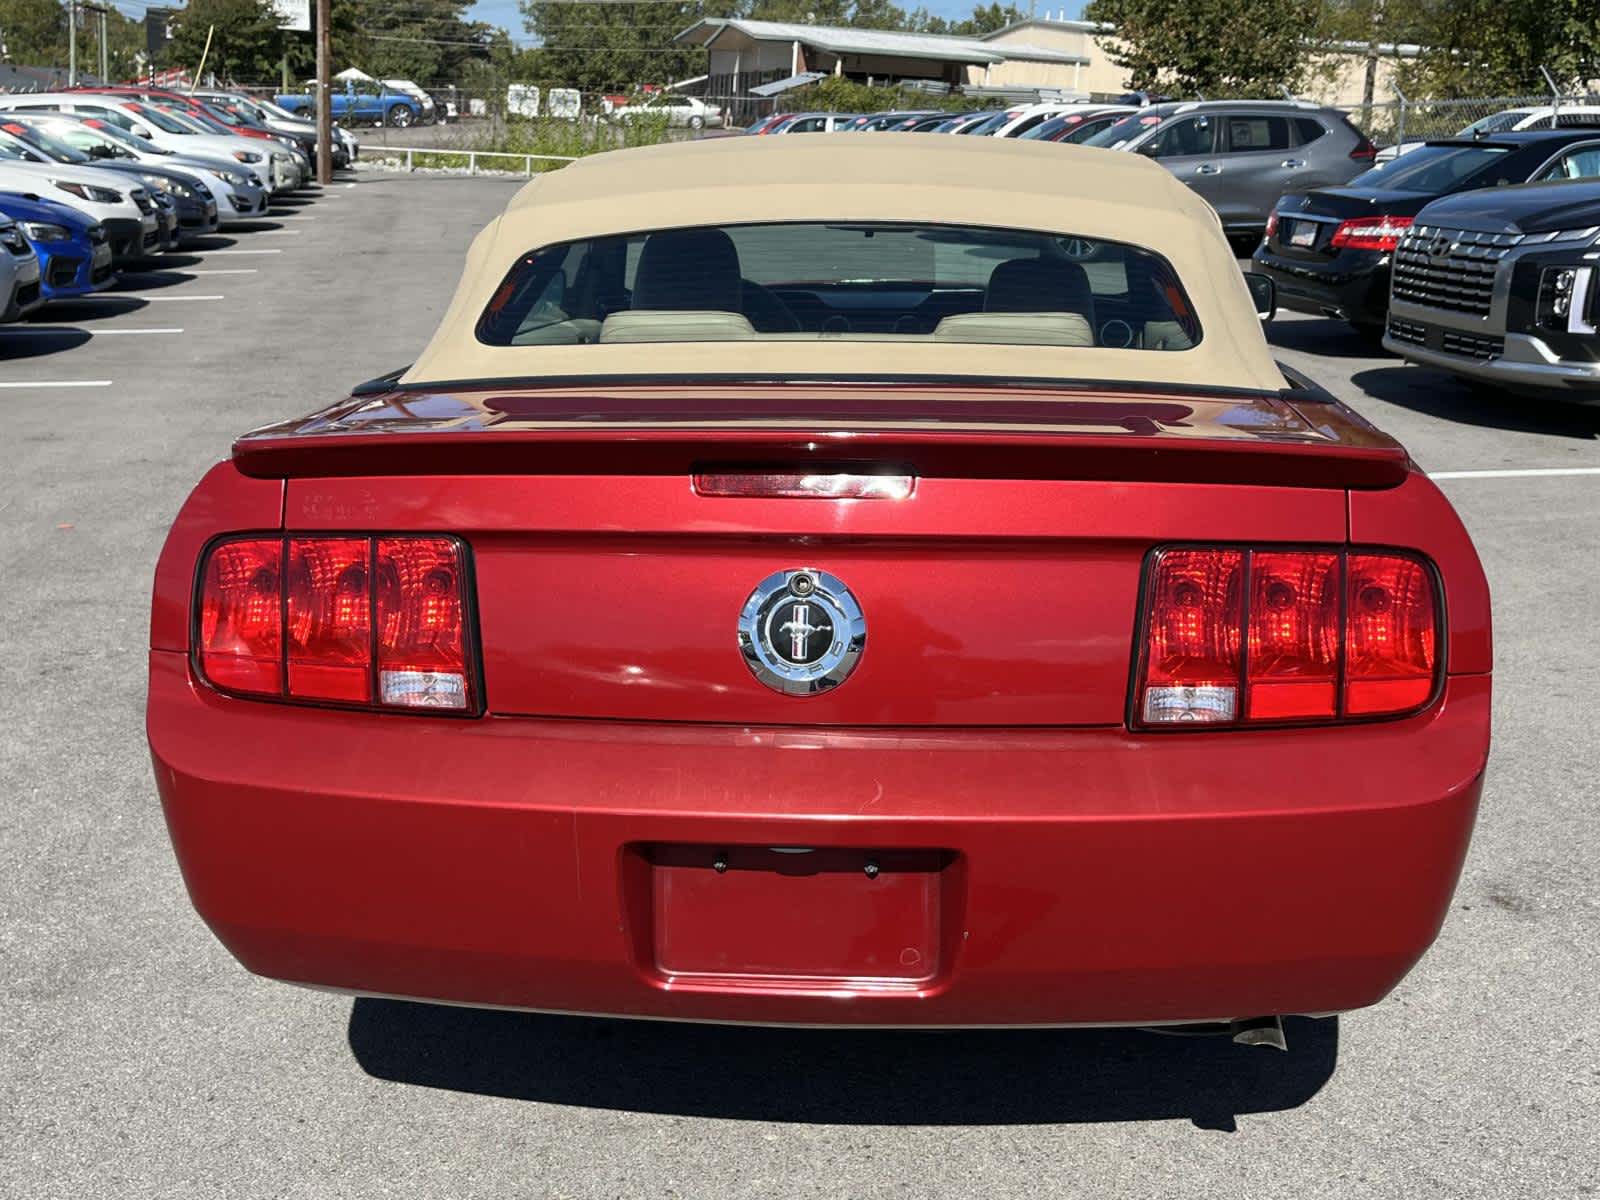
[59, 383]
[57, 331]
[220, 271]
[277, 233]
[214, 252]
[291, 217]
[169, 299]
[1521, 473]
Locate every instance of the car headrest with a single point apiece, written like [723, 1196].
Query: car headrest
[1016, 329]
[688, 269]
[677, 325]
[1025, 285]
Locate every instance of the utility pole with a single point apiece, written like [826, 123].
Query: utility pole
[72, 43]
[324, 99]
[105, 55]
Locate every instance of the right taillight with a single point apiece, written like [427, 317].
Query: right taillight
[368, 622]
[1370, 233]
[1253, 636]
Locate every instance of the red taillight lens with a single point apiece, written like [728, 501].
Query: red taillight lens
[330, 619]
[421, 630]
[1294, 636]
[1391, 634]
[1370, 233]
[1304, 619]
[371, 622]
[1365, 151]
[1272, 224]
[240, 640]
[1194, 623]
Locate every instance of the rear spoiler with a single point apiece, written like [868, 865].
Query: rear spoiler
[1298, 437]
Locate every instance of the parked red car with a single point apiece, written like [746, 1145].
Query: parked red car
[823, 608]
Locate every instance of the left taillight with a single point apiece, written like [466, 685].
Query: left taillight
[1264, 635]
[379, 622]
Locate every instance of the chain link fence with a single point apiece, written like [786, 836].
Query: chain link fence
[1403, 121]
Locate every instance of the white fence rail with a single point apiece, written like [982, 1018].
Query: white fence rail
[408, 155]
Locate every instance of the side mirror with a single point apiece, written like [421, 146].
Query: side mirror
[141, 131]
[1148, 149]
[1264, 292]
[101, 151]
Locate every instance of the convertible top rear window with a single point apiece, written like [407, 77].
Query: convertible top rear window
[864, 281]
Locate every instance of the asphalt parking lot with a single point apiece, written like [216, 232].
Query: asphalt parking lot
[137, 1059]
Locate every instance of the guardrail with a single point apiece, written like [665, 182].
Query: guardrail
[409, 155]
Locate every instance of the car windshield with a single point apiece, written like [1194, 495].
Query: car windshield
[1120, 133]
[1496, 122]
[161, 120]
[863, 281]
[123, 138]
[282, 114]
[195, 122]
[43, 142]
[990, 123]
[80, 137]
[1433, 168]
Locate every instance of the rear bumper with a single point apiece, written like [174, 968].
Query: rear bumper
[1353, 286]
[1029, 877]
[1524, 364]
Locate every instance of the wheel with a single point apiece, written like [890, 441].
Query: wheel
[697, 122]
[400, 116]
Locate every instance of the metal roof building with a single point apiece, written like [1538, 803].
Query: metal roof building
[759, 52]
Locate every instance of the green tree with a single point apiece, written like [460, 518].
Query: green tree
[246, 43]
[613, 47]
[33, 32]
[1213, 47]
[1472, 47]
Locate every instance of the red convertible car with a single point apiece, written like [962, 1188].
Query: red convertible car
[784, 593]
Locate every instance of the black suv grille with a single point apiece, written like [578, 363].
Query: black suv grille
[1449, 268]
[1471, 345]
[1408, 331]
[1451, 341]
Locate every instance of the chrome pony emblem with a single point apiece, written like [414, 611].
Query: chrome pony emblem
[801, 632]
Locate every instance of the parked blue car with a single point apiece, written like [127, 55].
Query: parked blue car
[74, 254]
[354, 107]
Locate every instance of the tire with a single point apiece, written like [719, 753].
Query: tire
[400, 116]
[697, 122]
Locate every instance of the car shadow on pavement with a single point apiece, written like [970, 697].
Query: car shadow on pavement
[1438, 394]
[25, 341]
[100, 307]
[199, 245]
[255, 225]
[1329, 338]
[844, 1077]
[148, 279]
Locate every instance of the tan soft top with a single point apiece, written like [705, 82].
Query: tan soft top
[1001, 182]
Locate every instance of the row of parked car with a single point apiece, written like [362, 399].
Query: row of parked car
[1475, 253]
[92, 179]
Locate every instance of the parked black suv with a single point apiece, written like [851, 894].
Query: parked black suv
[1502, 286]
[1330, 249]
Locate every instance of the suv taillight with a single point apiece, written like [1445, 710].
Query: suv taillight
[1241, 636]
[369, 622]
[1370, 233]
[1365, 151]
